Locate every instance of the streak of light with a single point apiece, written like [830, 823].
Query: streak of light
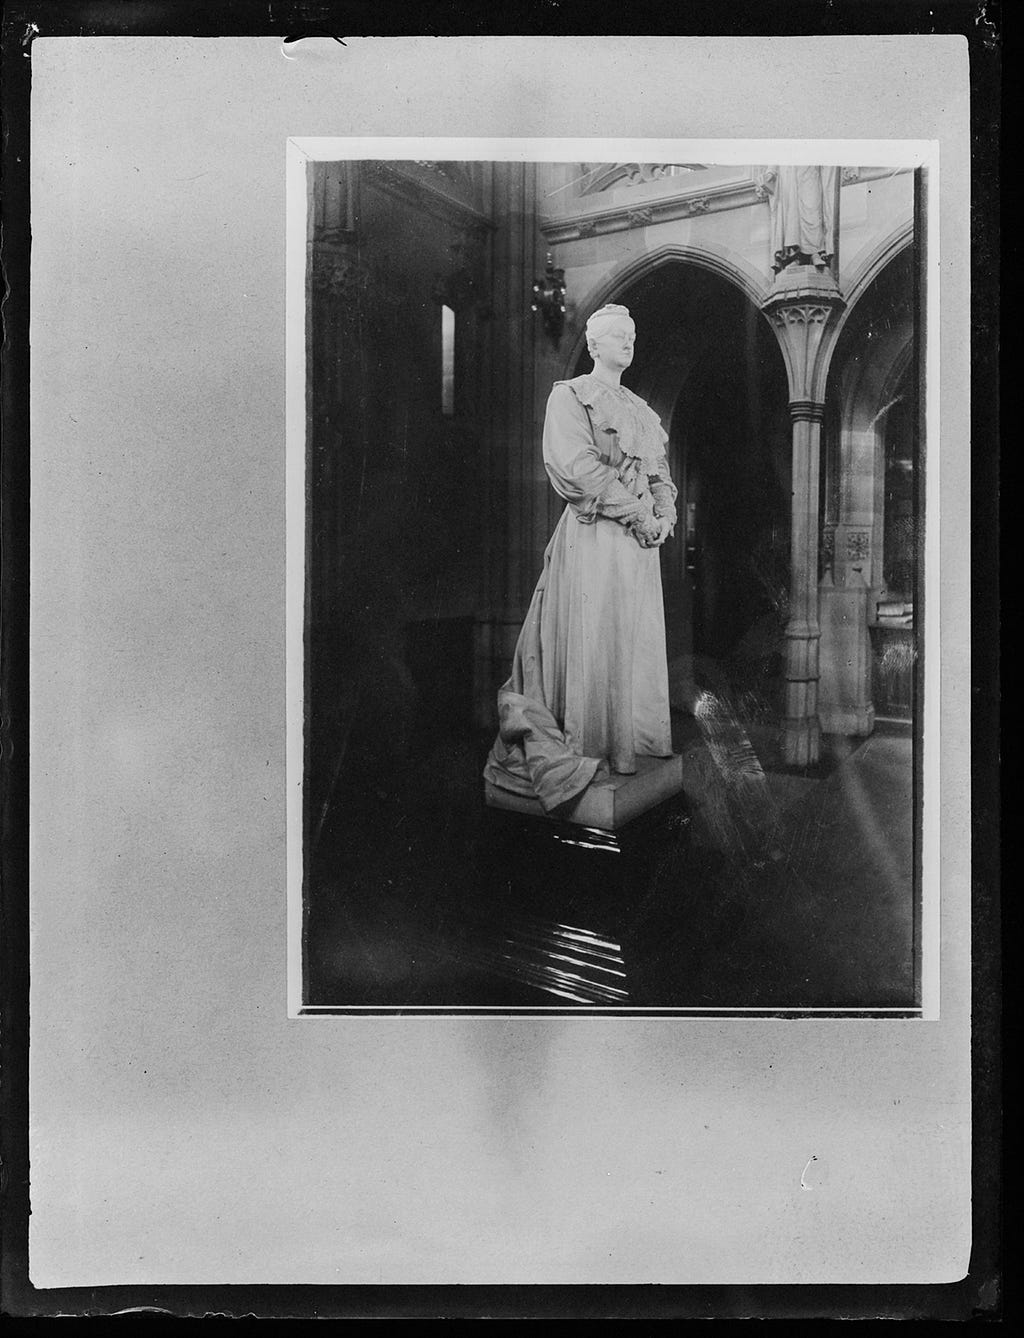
[574, 961]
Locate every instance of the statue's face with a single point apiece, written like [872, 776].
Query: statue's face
[614, 349]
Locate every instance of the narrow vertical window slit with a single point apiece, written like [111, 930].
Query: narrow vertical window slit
[447, 361]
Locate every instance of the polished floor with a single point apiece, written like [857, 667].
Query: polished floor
[760, 888]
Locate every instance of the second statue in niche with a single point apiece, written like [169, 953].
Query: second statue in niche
[802, 201]
[588, 692]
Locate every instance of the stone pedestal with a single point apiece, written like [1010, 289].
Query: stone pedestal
[607, 805]
[586, 915]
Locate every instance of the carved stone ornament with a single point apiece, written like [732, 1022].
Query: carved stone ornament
[637, 173]
[605, 176]
[451, 171]
[639, 218]
[850, 174]
[801, 314]
[858, 545]
[588, 228]
[828, 546]
[343, 277]
[353, 287]
[803, 214]
[699, 206]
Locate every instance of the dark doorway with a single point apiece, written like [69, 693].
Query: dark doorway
[708, 363]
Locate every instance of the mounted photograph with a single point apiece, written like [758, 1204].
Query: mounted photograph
[609, 583]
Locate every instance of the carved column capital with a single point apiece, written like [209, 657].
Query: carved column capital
[801, 313]
[791, 312]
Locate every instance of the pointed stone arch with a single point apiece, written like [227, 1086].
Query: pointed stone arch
[717, 259]
[816, 373]
[868, 270]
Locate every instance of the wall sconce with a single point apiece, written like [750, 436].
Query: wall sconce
[549, 299]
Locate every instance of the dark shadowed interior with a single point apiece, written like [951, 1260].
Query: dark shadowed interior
[765, 885]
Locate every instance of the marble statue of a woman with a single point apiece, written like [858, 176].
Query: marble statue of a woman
[588, 692]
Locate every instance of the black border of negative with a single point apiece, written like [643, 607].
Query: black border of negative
[977, 1296]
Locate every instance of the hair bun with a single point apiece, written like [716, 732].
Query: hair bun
[602, 319]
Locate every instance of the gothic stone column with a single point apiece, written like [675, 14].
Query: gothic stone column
[517, 487]
[802, 308]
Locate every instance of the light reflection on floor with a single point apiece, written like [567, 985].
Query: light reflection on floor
[569, 962]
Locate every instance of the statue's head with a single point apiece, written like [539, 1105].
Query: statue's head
[610, 337]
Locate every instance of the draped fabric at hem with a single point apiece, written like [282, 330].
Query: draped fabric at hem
[589, 685]
[531, 757]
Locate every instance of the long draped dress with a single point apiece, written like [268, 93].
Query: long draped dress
[589, 685]
[802, 205]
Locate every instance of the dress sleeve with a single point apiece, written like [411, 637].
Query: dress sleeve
[575, 467]
[663, 491]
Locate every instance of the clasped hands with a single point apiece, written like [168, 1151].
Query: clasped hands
[651, 531]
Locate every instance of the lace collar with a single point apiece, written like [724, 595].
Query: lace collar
[638, 427]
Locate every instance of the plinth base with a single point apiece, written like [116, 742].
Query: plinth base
[606, 804]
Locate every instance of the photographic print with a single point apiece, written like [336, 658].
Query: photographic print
[612, 581]
[483, 694]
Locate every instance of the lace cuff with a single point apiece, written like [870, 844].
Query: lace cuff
[664, 495]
